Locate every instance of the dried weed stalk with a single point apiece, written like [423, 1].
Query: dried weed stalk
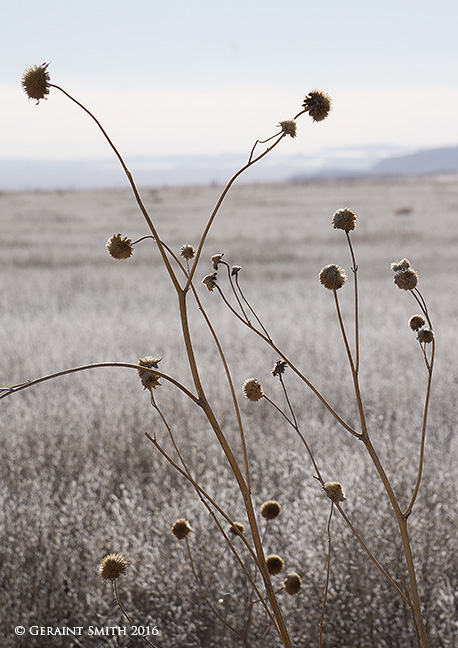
[246, 545]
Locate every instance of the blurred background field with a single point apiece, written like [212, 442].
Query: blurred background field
[79, 478]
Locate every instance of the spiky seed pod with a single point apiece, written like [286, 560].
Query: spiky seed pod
[181, 528]
[112, 566]
[235, 270]
[216, 258]
[332, 277]
[344, 219]
[35, 82]
[150, 380]
[334, 491]
[288, 127]
[270, 509]
[237, 525]
[252, 390]
[426, 336]
[400, 266]
[187, 252]
[119, 247]
[210, 281]
[318, 105]
[416, 322]
[406, 279]
[292, 583]
[275, 564]
[279, 368]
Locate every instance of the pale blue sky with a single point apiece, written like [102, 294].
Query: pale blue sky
[209, 76]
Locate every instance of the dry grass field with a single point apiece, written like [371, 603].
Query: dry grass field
[79, 479]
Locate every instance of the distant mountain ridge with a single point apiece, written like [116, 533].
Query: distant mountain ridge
[373, 160]
[425, 162]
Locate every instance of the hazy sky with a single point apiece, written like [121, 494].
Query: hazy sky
[211, 76]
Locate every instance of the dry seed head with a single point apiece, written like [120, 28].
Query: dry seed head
[237, 525]
[406, 279]
[187, 252]
[344, 219]
[150, 380]
[112, 566]
[270, 509]
[288, 127]
[292, 583]
[120, 248]
[181, 528]
[210, 281]
[279, 368]
[426, 336]
[35, 82]
[317, 104]
[332, 277]
[400, 266]
[235, 270]
[334, 491]
[216, 258]
[275, 564]
[252, 390]
[416, 322]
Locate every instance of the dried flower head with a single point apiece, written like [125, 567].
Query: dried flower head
[288, 127]
[416, 322]
[35, 82]
[187, 252]
[252, 390]
[112, 566]
[120, 248]
[210, 281]
[181, 528]
[317, 104]
[270, 509]
[237, 526]
[216, 258]
[344, 219]
[400, 266]
[332, 277]
[275, 564]
[406, 279]
[426, 336]
[150, 380]
[235, 270]
[279, 368]
[334, 491]
[292, 583]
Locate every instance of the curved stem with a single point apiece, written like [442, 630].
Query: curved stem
[132, 184]
[354, 269]
[221, 199]
[7, 391]
[328, 570]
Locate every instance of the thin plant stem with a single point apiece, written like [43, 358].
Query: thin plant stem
[401, 519]
[251, 308]
[429, 365]
[301, 436]
[293, 368]
[127, 616]
[340, 509]
[205, 495]
[354, 269]
[132, 184]
[352, 366]
[328, 570]
[8, 391]
[225, 191]
[203, 592]
[230, 383]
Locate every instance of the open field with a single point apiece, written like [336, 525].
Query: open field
[79, 479]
